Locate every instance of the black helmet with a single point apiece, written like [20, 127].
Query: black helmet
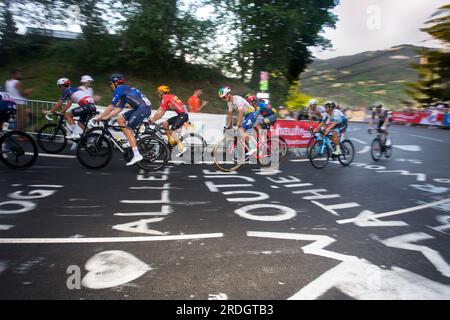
[377, 105]
[117, 77]
[330, 104]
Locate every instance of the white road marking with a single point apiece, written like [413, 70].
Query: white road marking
[413, 135]
[46, 186]
[364, 150]
[359, 278]
[360, 141]
[332, 208]
[368, 215]
[411, 148]
[299, 160]
[406, 242]
[112, 268]
[109, 239]
[52, 155]
[6, 226]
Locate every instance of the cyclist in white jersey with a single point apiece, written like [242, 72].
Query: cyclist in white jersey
[336, 124]
[247, 115]
[85, 107]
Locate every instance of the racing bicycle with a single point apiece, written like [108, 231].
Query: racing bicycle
[52, 137]
[17, 148]
[321, 151]
[379, 145]
[95, 149]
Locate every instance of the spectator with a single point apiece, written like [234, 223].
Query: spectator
[86, 85]
[16, 91]
[195, 103]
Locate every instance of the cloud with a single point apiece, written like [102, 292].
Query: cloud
[366, 25]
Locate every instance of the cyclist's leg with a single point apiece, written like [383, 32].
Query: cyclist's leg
[168, 125]
[177, 124]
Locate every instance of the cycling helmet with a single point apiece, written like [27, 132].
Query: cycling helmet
[224, 91]
[63, 82]
[330, 104]
[251, 99]
[163, 89]
[117, 78]
[313, 102]
[86, 78]
[377, 105]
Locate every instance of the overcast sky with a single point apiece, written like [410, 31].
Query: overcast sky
[366, 25]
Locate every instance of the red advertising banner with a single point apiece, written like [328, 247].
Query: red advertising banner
[431, 118]
[296, 133]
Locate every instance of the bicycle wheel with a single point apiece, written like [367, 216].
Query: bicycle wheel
[94, 151]
[284, 147]
[319, 155]
[52, 138]
[376, 150]
[311, 142]
[155, 151]
[18, 150]
[274, 154]
[229, 154]
[196, 147]
[347, 153]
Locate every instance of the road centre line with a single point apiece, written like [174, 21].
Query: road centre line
[107, 239]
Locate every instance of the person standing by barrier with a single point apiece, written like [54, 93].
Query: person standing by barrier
[16, 91]
[195, 103]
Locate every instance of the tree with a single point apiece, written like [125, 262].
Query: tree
[434, 70]
[8, 35]
[275, 36]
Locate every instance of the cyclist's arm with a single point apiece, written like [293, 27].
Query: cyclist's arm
[114, 112]
[240, 117]
[67, 106]
[371, 120]
[105, 112]
[56, 106]
[229, 118]
[158, 115]
[386, 122]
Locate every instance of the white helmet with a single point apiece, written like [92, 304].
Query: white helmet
[313, 102]
[63, 82]
[86, 78]
[224, 91]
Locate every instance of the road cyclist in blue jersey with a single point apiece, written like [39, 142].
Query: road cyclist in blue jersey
[130, 120]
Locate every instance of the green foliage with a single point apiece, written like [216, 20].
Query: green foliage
[296, 99]
[434, 72]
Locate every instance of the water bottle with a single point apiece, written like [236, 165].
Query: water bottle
[388, 142]
[12, 123]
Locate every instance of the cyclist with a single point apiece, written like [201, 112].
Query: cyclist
[336, 123]
[172, 102]
[7, 108]
[247, 116]
[130, 120]
[384, 116]
[316, 111]
[85, 107]
[266, 114]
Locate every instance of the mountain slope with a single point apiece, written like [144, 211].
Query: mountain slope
[361, 79]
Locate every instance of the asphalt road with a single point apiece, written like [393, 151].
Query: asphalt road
[367, 231]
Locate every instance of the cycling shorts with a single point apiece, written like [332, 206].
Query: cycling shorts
[249, 121]
[177, 122]
[135, 117]
[84, 112]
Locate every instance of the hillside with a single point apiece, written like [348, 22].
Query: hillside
[361, 79]
[40, 74]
